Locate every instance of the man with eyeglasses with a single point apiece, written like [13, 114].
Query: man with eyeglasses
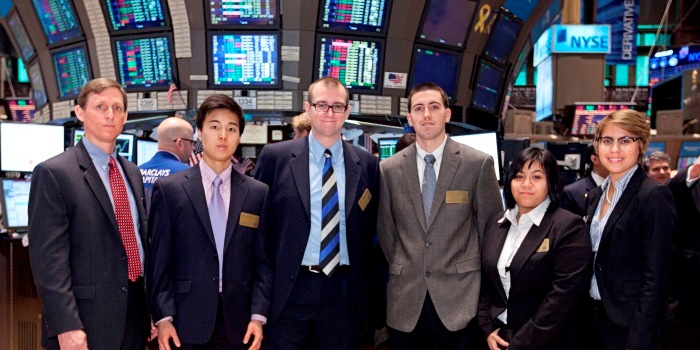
[324, 202]
[436, 198]
[175, 145]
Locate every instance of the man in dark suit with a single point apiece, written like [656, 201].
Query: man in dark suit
[573, 198]
[436, 198]
[324, 194]
[209, 277]
[87, 228]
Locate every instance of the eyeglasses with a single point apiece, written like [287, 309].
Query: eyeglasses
[622, 142]
[184, 139]
[323, 107]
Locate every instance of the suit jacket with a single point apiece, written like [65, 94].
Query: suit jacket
[547, 285]
[632, 263]
[440, 256]
[573, 198]
[284, 166]
[162, 164]
[78, 259]
[184, 266]
[687, 200]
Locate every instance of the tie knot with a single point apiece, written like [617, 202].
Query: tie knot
[216, 183]
[112, 162]
[429, 159]
[327, 153]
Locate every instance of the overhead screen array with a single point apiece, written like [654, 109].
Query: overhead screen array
[350, 16]
[135, 15]
[58, 20]
[354, 61]
[72, 69]
[145, 62]
[244, 59]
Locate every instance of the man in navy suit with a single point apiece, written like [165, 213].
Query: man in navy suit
[87, 226]
[573, 198]
[209, 277]
[175, 145]
[324, 195]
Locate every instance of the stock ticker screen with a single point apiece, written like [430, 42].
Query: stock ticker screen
[21, 110]
[136, 14]
[144, 63]
[72, 69]
[587, 117]
[58, 20]
[243, 13]
[355, 62]
[354, 15]
[244, 59]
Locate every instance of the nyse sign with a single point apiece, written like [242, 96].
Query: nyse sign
[581, 39]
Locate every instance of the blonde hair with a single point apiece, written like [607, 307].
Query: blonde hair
[631, 121]
[301, 122]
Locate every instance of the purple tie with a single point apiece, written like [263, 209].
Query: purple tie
[218, 217]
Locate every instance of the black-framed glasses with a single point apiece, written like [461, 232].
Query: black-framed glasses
[323, 107]
[624, 141]
[184, 139]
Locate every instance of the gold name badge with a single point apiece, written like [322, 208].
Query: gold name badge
[249, 220]
[456, 197]
[364, 200]
[544, 246]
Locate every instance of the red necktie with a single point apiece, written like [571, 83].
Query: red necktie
[124, 220]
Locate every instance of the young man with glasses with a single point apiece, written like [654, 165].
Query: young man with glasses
[175, 145]
[324, 200]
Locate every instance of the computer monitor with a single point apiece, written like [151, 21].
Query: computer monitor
[145, 62]
[72, 68]
[145, 150]
[544, 90]
[14, 194]
[356, 62]
[20, 109]
[125, 143]
[58, 20]
[244, 59]
[136, 15]
[488, 87]
[521, 8]
[690, 151]
[38, 89]
[354, 16]
[438, 66]
[24, 145]
[236, 14]
[447, 22]
[22, 75]
[504, 34]
[387, 147]
[26, 48]
[485, 142]
[587, 116]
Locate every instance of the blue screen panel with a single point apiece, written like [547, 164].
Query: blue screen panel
[58, 20]
[145, 62]
[437, 66]
[487, 90]
[125, 15]
[356, 62]
[502, 38]
[243, 14]
[21, 37]
[447, 22]
[368, 16]
[72, 69]
[244, 59]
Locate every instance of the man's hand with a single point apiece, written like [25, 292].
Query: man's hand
[494, 341]
[254, 329]
[73, 340]
[694, 170]
[166, 331]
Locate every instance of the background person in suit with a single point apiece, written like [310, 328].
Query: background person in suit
[323, 216]
[175, 145]
[573, 198]
[658, 166]
[536, 260]
[88, 234]
[209, 278]
[431, 220]
[631, 219]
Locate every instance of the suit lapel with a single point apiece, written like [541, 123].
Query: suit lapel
[695, 194]
[593, 199]
[493, 250]
[623, 202]
[239, 192]
[448, 169]
[352, 176]
[409, 169]
[532, 241]
[300, 170]
[95, 182]
[193, 187]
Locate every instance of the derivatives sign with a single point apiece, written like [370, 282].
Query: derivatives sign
[622, 16]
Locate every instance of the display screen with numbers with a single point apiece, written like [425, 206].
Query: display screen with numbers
[126, 16]
[354, 16]
[356, 62]
[244, 59]
[72, 69]
[243, 14]
[58, 20]
[145, 62]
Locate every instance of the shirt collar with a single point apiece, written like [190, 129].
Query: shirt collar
[208, 174]
[535, 215]
[621, 184]
[597, 178]
[97, 154]
[317, 149]
[437, 152]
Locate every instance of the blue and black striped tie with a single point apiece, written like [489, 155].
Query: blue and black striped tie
[330, 219]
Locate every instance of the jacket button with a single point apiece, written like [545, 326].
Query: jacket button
[123, 257]
[427, 274]
[125, 290]
[599, 267]
[214, 279]
[427, 244]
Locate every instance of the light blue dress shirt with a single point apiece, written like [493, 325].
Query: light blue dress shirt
[101, 161]
[316, 160]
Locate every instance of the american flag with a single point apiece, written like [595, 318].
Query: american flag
[171, 90]
[243, 166]
[396, 78]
